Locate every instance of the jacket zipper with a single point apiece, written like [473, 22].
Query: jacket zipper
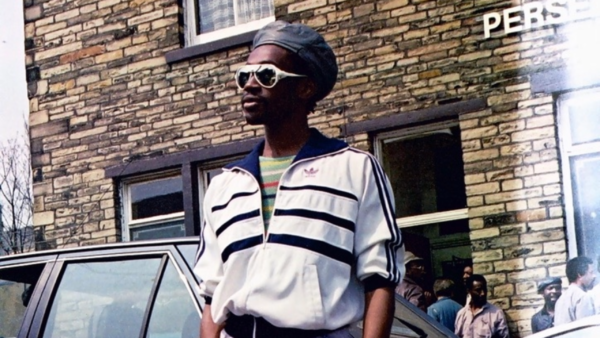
[266, 233]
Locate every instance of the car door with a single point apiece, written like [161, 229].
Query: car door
[146, 292]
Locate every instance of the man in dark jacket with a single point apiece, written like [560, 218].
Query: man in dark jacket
[551, 289]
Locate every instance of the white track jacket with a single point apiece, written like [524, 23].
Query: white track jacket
[332, 237]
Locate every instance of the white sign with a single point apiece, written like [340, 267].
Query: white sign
[538, 14]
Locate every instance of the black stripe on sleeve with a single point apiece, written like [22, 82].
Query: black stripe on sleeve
[323, 189]
[388, 213]
[237, 218]
[319, 247]
[240, 245]
[234, 196]
[322, 216]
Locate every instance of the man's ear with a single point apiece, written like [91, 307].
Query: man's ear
[307, 89]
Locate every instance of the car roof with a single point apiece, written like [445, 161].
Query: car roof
[108, 246]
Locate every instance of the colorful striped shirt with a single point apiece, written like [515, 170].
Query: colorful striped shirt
[271, 169]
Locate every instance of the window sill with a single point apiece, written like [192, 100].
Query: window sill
[210, 47]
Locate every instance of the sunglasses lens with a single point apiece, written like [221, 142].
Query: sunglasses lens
[242, 78]
[266, 76]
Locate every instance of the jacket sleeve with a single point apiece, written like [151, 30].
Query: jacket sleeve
[378, 244]
[209, 265]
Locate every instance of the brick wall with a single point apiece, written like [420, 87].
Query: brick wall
[101, 93]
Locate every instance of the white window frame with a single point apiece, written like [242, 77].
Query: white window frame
[414, 132]
[190, 26]
[568, 150]
[127, 224]
[202, 178]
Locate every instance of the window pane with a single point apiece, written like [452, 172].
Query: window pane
[161, 230]
[586, 198]
[220, 14]
[12, 307]
[215, 15]
[16, 288]
[188, 252]
[426, 172]
[102, 299]
[584, 116]
[173, 314]
[155, 198]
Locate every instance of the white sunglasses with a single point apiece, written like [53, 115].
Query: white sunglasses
[266, 75]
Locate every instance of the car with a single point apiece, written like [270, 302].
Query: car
[588, 327]
[126, 290]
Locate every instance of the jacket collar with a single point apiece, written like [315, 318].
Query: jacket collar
[317, 145]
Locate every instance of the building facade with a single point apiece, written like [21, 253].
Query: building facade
[484, 114]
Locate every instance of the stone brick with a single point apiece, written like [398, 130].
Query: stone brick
[80, 54]
[41, 55]
[503, 290]
[43, 218]
[485, 256]
[485, 233]
[305, 5]
[509, 265]
[484, 188]
[542, 236]
[390, 4]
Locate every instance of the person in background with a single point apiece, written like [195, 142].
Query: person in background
[467, 272]
[462, 294]
[575, 303]
[480, 319]
[595, 293]
[444, 310]
[551, 289]
[411, 287]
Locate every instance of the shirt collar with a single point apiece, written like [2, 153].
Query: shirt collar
[317, 145]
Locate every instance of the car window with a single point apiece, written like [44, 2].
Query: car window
[16, 287]
[173, 313]
[188, 252]
[102, 299]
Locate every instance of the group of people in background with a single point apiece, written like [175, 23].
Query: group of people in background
[477, 318]
[581, 299]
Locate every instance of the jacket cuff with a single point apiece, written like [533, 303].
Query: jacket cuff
[376, 282]
[207, 300]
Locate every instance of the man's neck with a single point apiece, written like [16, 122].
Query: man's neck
[549, 307]
[280, 142]
[475, 307]
[580, 284]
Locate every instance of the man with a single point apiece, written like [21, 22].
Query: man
[595, 293]
[444, 310]
[463, 296]
[467, 272]
[551, 289]
[575, 303]
[299, 238]
[411, 286]
[480, 319]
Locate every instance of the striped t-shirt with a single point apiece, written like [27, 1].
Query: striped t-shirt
[271, 169]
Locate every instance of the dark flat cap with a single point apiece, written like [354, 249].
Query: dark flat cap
[548, 281]
[308, 45]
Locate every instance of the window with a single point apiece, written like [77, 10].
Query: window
[426, 173]
[579, 122]
[105, 299]
[207, 172]
[153, 208]
[16, 288]
[211, 20]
